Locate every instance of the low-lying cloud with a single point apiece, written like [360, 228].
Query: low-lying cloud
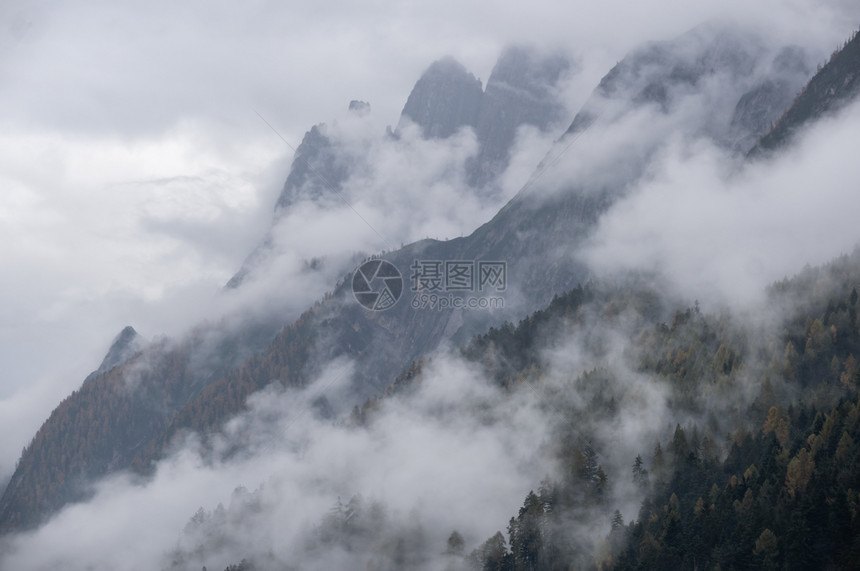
[457, 453]
[721, 230]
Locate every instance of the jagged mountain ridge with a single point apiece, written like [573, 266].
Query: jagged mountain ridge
[663, 73]
[522, 90]
[534, 233]
[124, 347]
[445, 99]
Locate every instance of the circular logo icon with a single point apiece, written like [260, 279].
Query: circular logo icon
[377, 285]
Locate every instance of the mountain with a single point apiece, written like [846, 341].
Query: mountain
[126, 416]
[522, 90]
[317, 169]
[125, 412]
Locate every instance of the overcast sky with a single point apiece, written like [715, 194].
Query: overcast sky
[135, 175]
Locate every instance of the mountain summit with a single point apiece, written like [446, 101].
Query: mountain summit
[124, 346]
[445, 99]
[523, 89]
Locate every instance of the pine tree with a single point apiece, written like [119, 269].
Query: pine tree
[617, 521]
[456, 544]
[640, 473]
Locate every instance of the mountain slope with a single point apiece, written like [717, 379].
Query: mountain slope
[743, 411]
[125, 412]
[523, 90]
[757, 85]
[117, 411]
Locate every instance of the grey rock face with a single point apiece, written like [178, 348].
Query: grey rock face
[124, 346]
[359, 107]
[832, 87]
[753, 85]
[521, 91]
[445, 99]
[317, 169]
[759, 108]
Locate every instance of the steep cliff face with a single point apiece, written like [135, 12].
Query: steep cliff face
[523, 89]
[317, 169]
[835, 84]
[759, 108]
[445, 99]
[753, 84]
[123, 348]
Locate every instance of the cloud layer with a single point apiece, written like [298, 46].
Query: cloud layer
[722, 231]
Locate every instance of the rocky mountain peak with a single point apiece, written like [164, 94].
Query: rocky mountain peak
[360, 108]
[316, 167]
[446, 98]
[124, 346]
[521, 90]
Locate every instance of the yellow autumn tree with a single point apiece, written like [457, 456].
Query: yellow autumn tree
[778, 423]
[799, 472]
[767, 547]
